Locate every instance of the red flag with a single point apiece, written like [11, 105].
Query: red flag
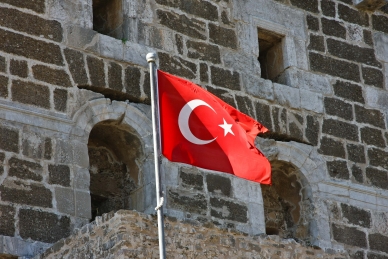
[199, 129]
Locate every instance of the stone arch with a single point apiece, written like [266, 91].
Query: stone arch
[287, 203]
[115, 139]
[305, 169]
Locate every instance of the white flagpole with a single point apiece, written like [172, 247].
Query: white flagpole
[151, 58]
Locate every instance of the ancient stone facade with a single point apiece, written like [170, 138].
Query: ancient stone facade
[75, 127]
[127, 234]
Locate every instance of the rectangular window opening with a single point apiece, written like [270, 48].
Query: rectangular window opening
[108, 17]
[270, 54]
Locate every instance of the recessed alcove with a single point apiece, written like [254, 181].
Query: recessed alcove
[114, 156]
[270, 54]
[108, 17]
[287, 203]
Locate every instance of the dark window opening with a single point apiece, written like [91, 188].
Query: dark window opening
[270, 54]
[287, 206]
[114, 157]
[108, 18]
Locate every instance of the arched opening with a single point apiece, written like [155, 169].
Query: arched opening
[288, 207]
[115, 157]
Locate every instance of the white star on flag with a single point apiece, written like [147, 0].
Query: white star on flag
[227, 128]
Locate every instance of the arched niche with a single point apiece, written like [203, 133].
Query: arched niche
[115, 153]
[288, 207]
[298, 171]
[118, 140]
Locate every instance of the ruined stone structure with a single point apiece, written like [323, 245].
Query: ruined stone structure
[76, 136]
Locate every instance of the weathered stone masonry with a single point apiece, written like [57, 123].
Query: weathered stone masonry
[326, 106]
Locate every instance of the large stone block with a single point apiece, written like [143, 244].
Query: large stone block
[203, 51]
[331, 147]
[312, 130]
[308, 5]
[381, 46]
[370, 116]
[338, 169]
[3, 64]
[31, 48]
[115, 73]
[25, 169]
[378, 242]
[224, 209]
[51, 227]
[30, 24]
[26, 193]
[225, 78]
[190, 178]
[379, 23]
[51, 75]
[356, 153]
[81, 178]
[377, 177]
[356, 216]
[59, 174]
[328, 8]
[65, 200]
[218, 184]
[187, 202]
[199, 8]
[317, 43]
[333, 28]
[132, 82]
[9, 139]
[352, 52]
[334, 67]
[373, 77]
[204, 72]
[349, 91]
[83, 205]
[60, 99]
[4, 86]
[76, 64]
[7, 219]
[357, 174]
[312, 23]
[349, 236]
[177, 66]
[96, 71]
[372, 136]
[311, 101]
[18, 68]
[37, 6]
[181, 23]
[287, 96]
[378, 157]
[352, 15]
[244, 104]
[340, 129]
[338, 108]
[30, 93]
[222, 36]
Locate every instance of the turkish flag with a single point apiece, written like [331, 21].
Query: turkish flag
[199, 129]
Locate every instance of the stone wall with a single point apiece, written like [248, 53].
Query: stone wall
[327, 95]
[127, 234]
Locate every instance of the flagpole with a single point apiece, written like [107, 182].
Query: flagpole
[151, 58]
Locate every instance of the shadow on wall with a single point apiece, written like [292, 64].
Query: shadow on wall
[287, 203]
[115, 153]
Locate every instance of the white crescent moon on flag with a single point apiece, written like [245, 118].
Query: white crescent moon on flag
[183, 121]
